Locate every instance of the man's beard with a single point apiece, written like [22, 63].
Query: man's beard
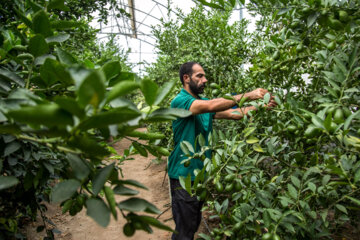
[196, 89]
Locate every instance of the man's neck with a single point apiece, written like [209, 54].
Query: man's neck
[187, 88]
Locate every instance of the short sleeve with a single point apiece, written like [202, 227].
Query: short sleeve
[183, 102]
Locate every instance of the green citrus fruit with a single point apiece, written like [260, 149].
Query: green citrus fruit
[219, 187]
[346, 111]
[215, 92]
[333, 127]
[129, 230]
[214, 85]
[187, 163]
[230, 177]
[238, 186]
[334, 23]
[275, 237]
[339, 116]
[266, 236]
[343, 16]
[291, 128]
[312, 131]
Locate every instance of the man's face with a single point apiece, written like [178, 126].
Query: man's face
[197, 80]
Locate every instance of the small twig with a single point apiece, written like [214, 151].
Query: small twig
[164, 179]
[205, 223]
[163, 212]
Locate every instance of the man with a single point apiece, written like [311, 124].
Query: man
[186, 209]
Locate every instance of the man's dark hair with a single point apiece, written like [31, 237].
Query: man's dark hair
[186, 68]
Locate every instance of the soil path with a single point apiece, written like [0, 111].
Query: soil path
[82, 227]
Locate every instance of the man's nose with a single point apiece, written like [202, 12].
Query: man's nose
[204, 80]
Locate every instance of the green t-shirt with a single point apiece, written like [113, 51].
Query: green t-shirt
[187, 129]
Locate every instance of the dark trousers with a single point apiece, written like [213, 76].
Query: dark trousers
[186, 212]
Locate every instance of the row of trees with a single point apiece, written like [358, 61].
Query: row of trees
[294, 172]
[58, 112]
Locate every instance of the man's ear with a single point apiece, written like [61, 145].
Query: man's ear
[186, 78]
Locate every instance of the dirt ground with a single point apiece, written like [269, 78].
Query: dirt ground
[82, 227]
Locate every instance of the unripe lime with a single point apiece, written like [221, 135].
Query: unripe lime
[219, 187]
[343, 16]
[129, 230]
[291, 128]
[266, 236]
[230, 177]
[312, 131]
[346, 111]
[339, 116]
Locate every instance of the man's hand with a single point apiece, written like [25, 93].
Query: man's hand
[256, 94]
[271, 103]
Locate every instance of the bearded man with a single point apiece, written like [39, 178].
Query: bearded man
[186, 209]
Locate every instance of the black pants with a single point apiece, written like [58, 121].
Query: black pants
[186, 212]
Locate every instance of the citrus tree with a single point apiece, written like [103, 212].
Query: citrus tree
[57, 114]
[292, 172]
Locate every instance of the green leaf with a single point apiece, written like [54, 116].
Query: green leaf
[41, 23]
[122, 88]
[111, 69]
[154, 222]
[24, 19]
[201, 140]
[149, 88]
[97, 210]
[7, 182]
[65, 57]
[61, 37]
[169, 114]
[45, 114]
[292, 191]
[242, 101]
[122, 190]
[101, 177]
[327, 122]
[312, 187]
[252, 140]
[325, 180]
[57, 4]
[164, 92]
[312, 18]
[11, 148]
[317, 121]
[133, 183]
[38, 45]
[185, 183]
[88, 146]
[79, 167]
[350, 118]
[357, 201]
[64, 24]
[70, 105]
[341, 208]
[138, 205]
[92, 89]
[257, 147]
[109, 194]
[248, 131]
[266, 98]
[113, 116]
[295, 181]
[64, 190]
[52, 72]
[141, 150]
[41, 59]
[189, 146]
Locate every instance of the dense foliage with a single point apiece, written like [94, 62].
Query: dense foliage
[293, 172]
[57, 114]
[205, 37]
